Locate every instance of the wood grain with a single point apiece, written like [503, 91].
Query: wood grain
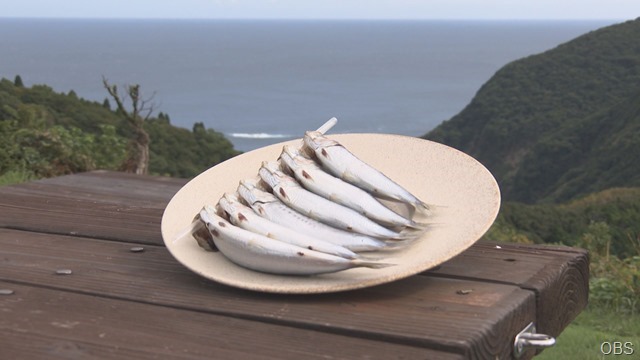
[469, 307]
[559, 276]
[419, 311]
[43, 323]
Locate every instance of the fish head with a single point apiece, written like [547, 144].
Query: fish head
[245, 193]
[291, 151]
[201, 233]
[315, 140]
[208, 214]
[228, 204]
[252, 194]
[272, 166]
[300, 165]
[268, 176]
[271, 174]
[231, 197]
[288, 159]
[298, 155]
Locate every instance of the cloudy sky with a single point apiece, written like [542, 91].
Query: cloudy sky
[326, 9]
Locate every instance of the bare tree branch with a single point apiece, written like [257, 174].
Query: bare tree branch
[138, 159]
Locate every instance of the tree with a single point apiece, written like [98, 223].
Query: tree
[141, 109]
[18, 81]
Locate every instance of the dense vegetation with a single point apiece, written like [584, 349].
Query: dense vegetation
[606, 223]
[559, 124]
[44, 133]
[615, 213]
[560, 131]
[183, 153]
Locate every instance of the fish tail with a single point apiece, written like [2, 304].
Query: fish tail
[371, 264]
[427, 210]
[409, 234]
[394, 244]
[417, 226]
[370, 256]
[423, 208]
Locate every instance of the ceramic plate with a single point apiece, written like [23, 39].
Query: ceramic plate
[466, 194]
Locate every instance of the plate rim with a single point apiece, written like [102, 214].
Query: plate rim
[347, 286]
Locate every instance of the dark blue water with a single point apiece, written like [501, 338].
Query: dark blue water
[261, 82]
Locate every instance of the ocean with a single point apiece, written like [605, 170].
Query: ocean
[262, 82]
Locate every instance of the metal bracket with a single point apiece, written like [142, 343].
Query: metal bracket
[529, 339]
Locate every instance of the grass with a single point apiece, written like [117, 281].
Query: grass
[16, 177]
[582, 340]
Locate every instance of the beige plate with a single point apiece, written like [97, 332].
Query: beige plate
[466, 192]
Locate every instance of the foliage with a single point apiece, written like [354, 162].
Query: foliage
[16, 177]
[58, 150]
[18, 81]
[561, 124]
[39, 140]
[44, 133]
[560, 131]
[182, 153]
[618, 209]
[615, 282]
[605, 223]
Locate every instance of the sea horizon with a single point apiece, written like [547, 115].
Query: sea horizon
[265, 81]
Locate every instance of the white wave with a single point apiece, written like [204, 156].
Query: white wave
[258, 135]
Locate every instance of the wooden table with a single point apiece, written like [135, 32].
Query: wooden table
[121, 304]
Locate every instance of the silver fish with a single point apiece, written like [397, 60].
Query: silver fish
[268, 206]
[244, 217]
[342, 163]
[292, 194]
[315, 179]
[261, 253]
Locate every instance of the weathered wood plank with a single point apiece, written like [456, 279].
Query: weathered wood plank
[419, 311]
[128, 208]
[104, 186]
[44, 323]
[91, 218]
[562, 290]
[530, 267]
[105, 205]
[559, 276]
[150, 188]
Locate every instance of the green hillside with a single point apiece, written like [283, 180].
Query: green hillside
[560, 131]
[559, 124]
[613, 214]
[45, 133]
[606, 223]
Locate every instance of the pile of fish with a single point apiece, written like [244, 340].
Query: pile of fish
[315, 210]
